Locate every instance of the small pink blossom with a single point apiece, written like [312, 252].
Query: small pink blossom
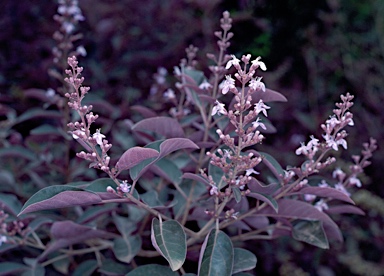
[257, 84]
[228, 84]
[339, 174]
[125, 187]
[251, 171]
[323, 184]
[257, 63]
[303, 149]
[340, 187]
[218, 108]
[321, 205]
[98, 136]
[205, 85]
[261, 107]
[354, 181]
[213, 190]
[234, 61]
[309, 198]
[169, 94]
[257, 124]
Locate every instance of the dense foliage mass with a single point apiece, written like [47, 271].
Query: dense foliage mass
[124, 154]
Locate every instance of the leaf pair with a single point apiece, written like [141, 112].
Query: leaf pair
[217, 255]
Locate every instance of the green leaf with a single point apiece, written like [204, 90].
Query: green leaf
[10, 203]
[59, 196]
[310, 231]
[7, 268]
[237, 193]
[18, 152]
[267, 199]
[110, 267]
[165, 168]
[193, 190]
[124, 225]
[216, 174]
[152, 270]
[95, 213]
[100, 185]
[243, 260]
[165, 147]
[272, 161]
[151, 198]
[217, 255]
[169, 240]
[86, 268]
[126, 248]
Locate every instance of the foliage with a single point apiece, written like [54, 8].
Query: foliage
[183, 185]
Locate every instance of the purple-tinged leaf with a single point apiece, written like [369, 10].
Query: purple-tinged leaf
[169, 239]
[174, 144]
[144, 111]
[325, 192]
[289, 208]
[257, 222]
[195, 177]
[216, 254]
[55, 197]
[255, 186]
[267, 199]
[345, 209]
[166, 147]
[268, 96]
[66, 233]
[165, 126]
[68, 229]
[134, 156]
[241, 225]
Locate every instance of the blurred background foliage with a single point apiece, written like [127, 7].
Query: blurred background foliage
[314, 51]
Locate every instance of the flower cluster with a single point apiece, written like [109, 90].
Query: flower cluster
[68, 15]
[81, 130]
[236, 164]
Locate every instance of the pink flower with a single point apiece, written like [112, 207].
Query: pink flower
[218, 108]
[340, 187]
[205, 85]
[251, 171]
[98, 137]
[261, 107]
[303, 149]
[257, 63]
[235, 62]
[213, 191]
[321, 205]
[228, 84]
[124, 186]
[257, 124]
[355, 181]
[257, 84]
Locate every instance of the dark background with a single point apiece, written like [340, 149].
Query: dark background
[314, 51]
